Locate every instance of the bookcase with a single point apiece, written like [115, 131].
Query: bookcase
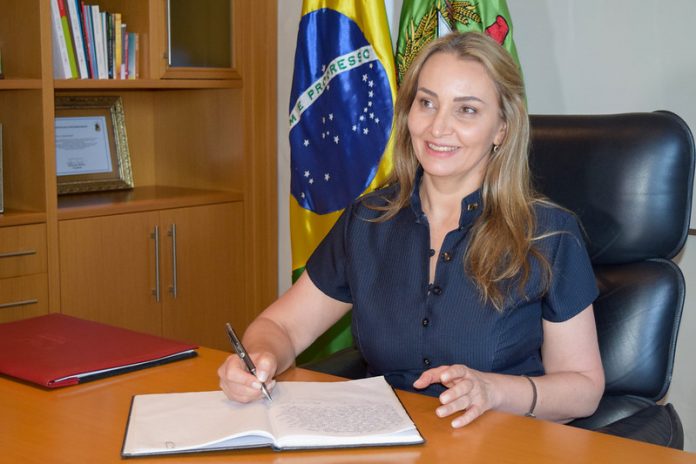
[202, 151]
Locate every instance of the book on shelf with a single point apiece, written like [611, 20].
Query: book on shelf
[88, 37]
[109, 27]
[117, 45]
[99, 42]
[124, 51]
[65, 28]
[61, 61]
[77, 39]
[56, 350]
[133, 53]
[91, 43]
[302, 415]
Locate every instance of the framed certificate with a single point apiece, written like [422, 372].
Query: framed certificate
[91, 145]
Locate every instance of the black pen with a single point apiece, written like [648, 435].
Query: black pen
[242, 353]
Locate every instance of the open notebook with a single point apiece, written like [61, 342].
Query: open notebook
[302, 415]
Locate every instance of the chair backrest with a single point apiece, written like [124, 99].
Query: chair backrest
[629, 178]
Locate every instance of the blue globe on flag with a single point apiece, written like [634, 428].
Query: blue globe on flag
[340, 113]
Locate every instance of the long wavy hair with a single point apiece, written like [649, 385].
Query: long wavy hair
[498, 255]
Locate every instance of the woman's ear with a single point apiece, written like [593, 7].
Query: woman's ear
[500, 135]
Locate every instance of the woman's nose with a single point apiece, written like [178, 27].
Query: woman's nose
[441, 125]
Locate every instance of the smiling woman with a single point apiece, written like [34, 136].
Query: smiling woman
[458, 274]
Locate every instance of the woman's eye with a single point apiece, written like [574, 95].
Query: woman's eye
[467, 110]
[425, 103]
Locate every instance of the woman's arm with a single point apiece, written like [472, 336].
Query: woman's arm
[571, 388]
[574, 373]
[278, 335]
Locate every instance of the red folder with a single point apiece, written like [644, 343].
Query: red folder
[57, 350]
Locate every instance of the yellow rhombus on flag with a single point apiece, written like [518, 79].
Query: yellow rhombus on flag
[341, 111]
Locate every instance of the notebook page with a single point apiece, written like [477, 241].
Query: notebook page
[176, 422]
[357, 412]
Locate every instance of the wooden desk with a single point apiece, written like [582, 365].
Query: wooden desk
[86, 424]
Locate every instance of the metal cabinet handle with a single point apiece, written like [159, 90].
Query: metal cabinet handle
[12, 304]
[156, 291]
[172, 234]
[13, 254]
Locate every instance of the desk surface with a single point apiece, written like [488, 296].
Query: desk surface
[86, 423]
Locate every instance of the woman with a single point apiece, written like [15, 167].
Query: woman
[463, 282]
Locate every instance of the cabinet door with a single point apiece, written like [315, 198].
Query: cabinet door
[108, 270]
[207, 264]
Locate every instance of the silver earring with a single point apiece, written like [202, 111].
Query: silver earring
[495, 148]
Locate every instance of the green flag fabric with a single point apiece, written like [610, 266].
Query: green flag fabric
[424, 20]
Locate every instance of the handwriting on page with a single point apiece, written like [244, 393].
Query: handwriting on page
[350, 418]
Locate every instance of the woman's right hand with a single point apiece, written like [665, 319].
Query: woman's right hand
[239, 384]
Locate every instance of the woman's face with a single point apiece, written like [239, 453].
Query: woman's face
[454, 120]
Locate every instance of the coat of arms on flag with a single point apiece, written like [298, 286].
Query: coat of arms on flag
[425, 20]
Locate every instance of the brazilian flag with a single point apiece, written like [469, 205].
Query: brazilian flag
[340, 118]
[424, 20]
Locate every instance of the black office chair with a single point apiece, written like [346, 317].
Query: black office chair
[629, 178]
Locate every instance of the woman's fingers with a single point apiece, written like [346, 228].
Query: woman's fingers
[239, 384]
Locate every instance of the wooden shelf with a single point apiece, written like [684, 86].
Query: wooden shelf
[146, 84]
[13, 217]
[20, 84]
[148, 198]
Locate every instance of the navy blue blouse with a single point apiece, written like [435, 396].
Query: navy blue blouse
[403, 324]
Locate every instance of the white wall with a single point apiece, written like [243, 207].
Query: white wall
[594, 56]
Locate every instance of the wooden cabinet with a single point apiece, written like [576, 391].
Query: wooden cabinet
[174, 272]
[203, 154]
[23, 278]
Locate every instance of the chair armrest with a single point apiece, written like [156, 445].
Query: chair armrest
[347, 363]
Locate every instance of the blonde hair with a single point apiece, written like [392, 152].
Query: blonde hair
[501, 238]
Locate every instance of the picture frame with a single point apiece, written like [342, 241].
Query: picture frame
[91, 144]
